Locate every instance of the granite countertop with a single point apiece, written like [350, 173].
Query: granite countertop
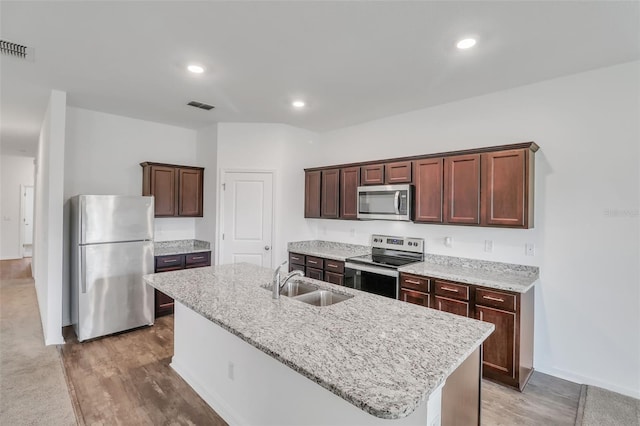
[328, 249]
[167, 248]
[497, 275]
[382, 355]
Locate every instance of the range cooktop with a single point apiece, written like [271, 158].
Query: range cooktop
[392, 252]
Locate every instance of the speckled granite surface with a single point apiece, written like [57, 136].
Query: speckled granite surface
[382, 355]
[501, 276]
[328, 249]
[167, 248]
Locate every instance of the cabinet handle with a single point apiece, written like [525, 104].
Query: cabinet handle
[453, 290]
[295, 258]
[197, 258]
[170, 261]
[495, 299]
[412, 281]
[312, 261]
[331, 265]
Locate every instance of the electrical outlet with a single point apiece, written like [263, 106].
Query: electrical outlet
[488, 246]
[448, 241]
[530, 249]
[230, 371]
[352, 231]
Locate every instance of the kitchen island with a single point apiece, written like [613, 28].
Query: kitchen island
[365, 360]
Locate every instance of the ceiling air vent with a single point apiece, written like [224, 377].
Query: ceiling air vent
[16, 50]
[200, 105]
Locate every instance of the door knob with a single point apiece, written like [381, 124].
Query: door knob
[267, 248]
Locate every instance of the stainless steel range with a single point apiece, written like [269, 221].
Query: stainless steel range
[378, 272]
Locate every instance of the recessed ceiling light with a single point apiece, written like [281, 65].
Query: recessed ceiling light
[466, 43]
[298, 104]
[196, 69]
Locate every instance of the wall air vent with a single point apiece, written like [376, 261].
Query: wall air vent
[200, 105]
[16, 50]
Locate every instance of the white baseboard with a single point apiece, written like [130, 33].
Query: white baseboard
[214, 400]
[586, 380]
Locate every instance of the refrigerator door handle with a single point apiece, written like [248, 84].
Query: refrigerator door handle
[83, 271]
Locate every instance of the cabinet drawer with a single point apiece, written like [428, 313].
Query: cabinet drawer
[415, 297]
[496, 299]
[296, 259]
[315, 262]
[414, 282]
[333, 278]
[449, 289]
[334, 266]
[198, 259]
[316, 274]
[168, 263]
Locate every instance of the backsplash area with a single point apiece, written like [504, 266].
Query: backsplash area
[174, 228]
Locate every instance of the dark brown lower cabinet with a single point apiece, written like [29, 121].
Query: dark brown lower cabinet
[316, 274]
[175, 262]
[334, 278]
[507, 354]
[318, 268]
[415, 297]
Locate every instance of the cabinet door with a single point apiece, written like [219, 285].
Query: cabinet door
[415, 297]
[294, 267]
[316, 274]
[453, 306]
[398, 172]
[312, 193]
[330, 193]
[190, 192]
[499, 350]
[163, 188]
[163, 304]
[333, 278]
[372, 174]
[462, 189]
[504, 186]
[429, 186]
[349, 182]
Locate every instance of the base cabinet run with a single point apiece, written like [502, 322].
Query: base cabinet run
[318, 268]
[175, 262]
[507, 355]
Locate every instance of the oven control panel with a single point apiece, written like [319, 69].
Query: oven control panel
[415, 245]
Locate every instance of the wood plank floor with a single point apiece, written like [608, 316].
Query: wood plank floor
[126, 379]
[15, 268]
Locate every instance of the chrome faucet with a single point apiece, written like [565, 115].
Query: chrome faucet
[277, 285]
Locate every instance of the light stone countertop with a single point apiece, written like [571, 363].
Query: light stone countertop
[382, 355]
[497, 275]
[328, 249]
[168, 248]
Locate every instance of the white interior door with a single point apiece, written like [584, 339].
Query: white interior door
[27, 220]
[247, 217]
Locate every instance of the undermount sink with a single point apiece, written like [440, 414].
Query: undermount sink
[323, 298]
[295, 288]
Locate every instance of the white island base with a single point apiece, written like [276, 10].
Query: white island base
[248, 387]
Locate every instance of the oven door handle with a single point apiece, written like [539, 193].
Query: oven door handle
[372, 269]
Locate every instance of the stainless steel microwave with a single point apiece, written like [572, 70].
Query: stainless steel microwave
[386, 202]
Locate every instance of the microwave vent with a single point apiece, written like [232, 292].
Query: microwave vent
[201, 105]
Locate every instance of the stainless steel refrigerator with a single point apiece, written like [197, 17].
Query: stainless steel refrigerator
[112, 248]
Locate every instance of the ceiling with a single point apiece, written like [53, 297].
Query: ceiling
[350, 61]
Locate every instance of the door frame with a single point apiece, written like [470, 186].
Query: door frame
[220, 208]
[23, 188]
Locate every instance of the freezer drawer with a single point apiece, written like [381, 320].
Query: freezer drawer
[111, 294]
[114, 218]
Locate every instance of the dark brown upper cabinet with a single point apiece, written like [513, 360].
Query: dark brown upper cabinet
[312, 188]
[429, 189]
[462, 189]
[178, 190]
[507, 188]
[398, 172]
[372, 174]
[330, 205]
[349, 182]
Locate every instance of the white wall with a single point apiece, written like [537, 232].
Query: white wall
[586, 214]
[48, 218]
[207, 157]
[103, 155]
[15, 171]
[258, 146]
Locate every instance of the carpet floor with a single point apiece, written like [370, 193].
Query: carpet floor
[33, 389]
[601, 407]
